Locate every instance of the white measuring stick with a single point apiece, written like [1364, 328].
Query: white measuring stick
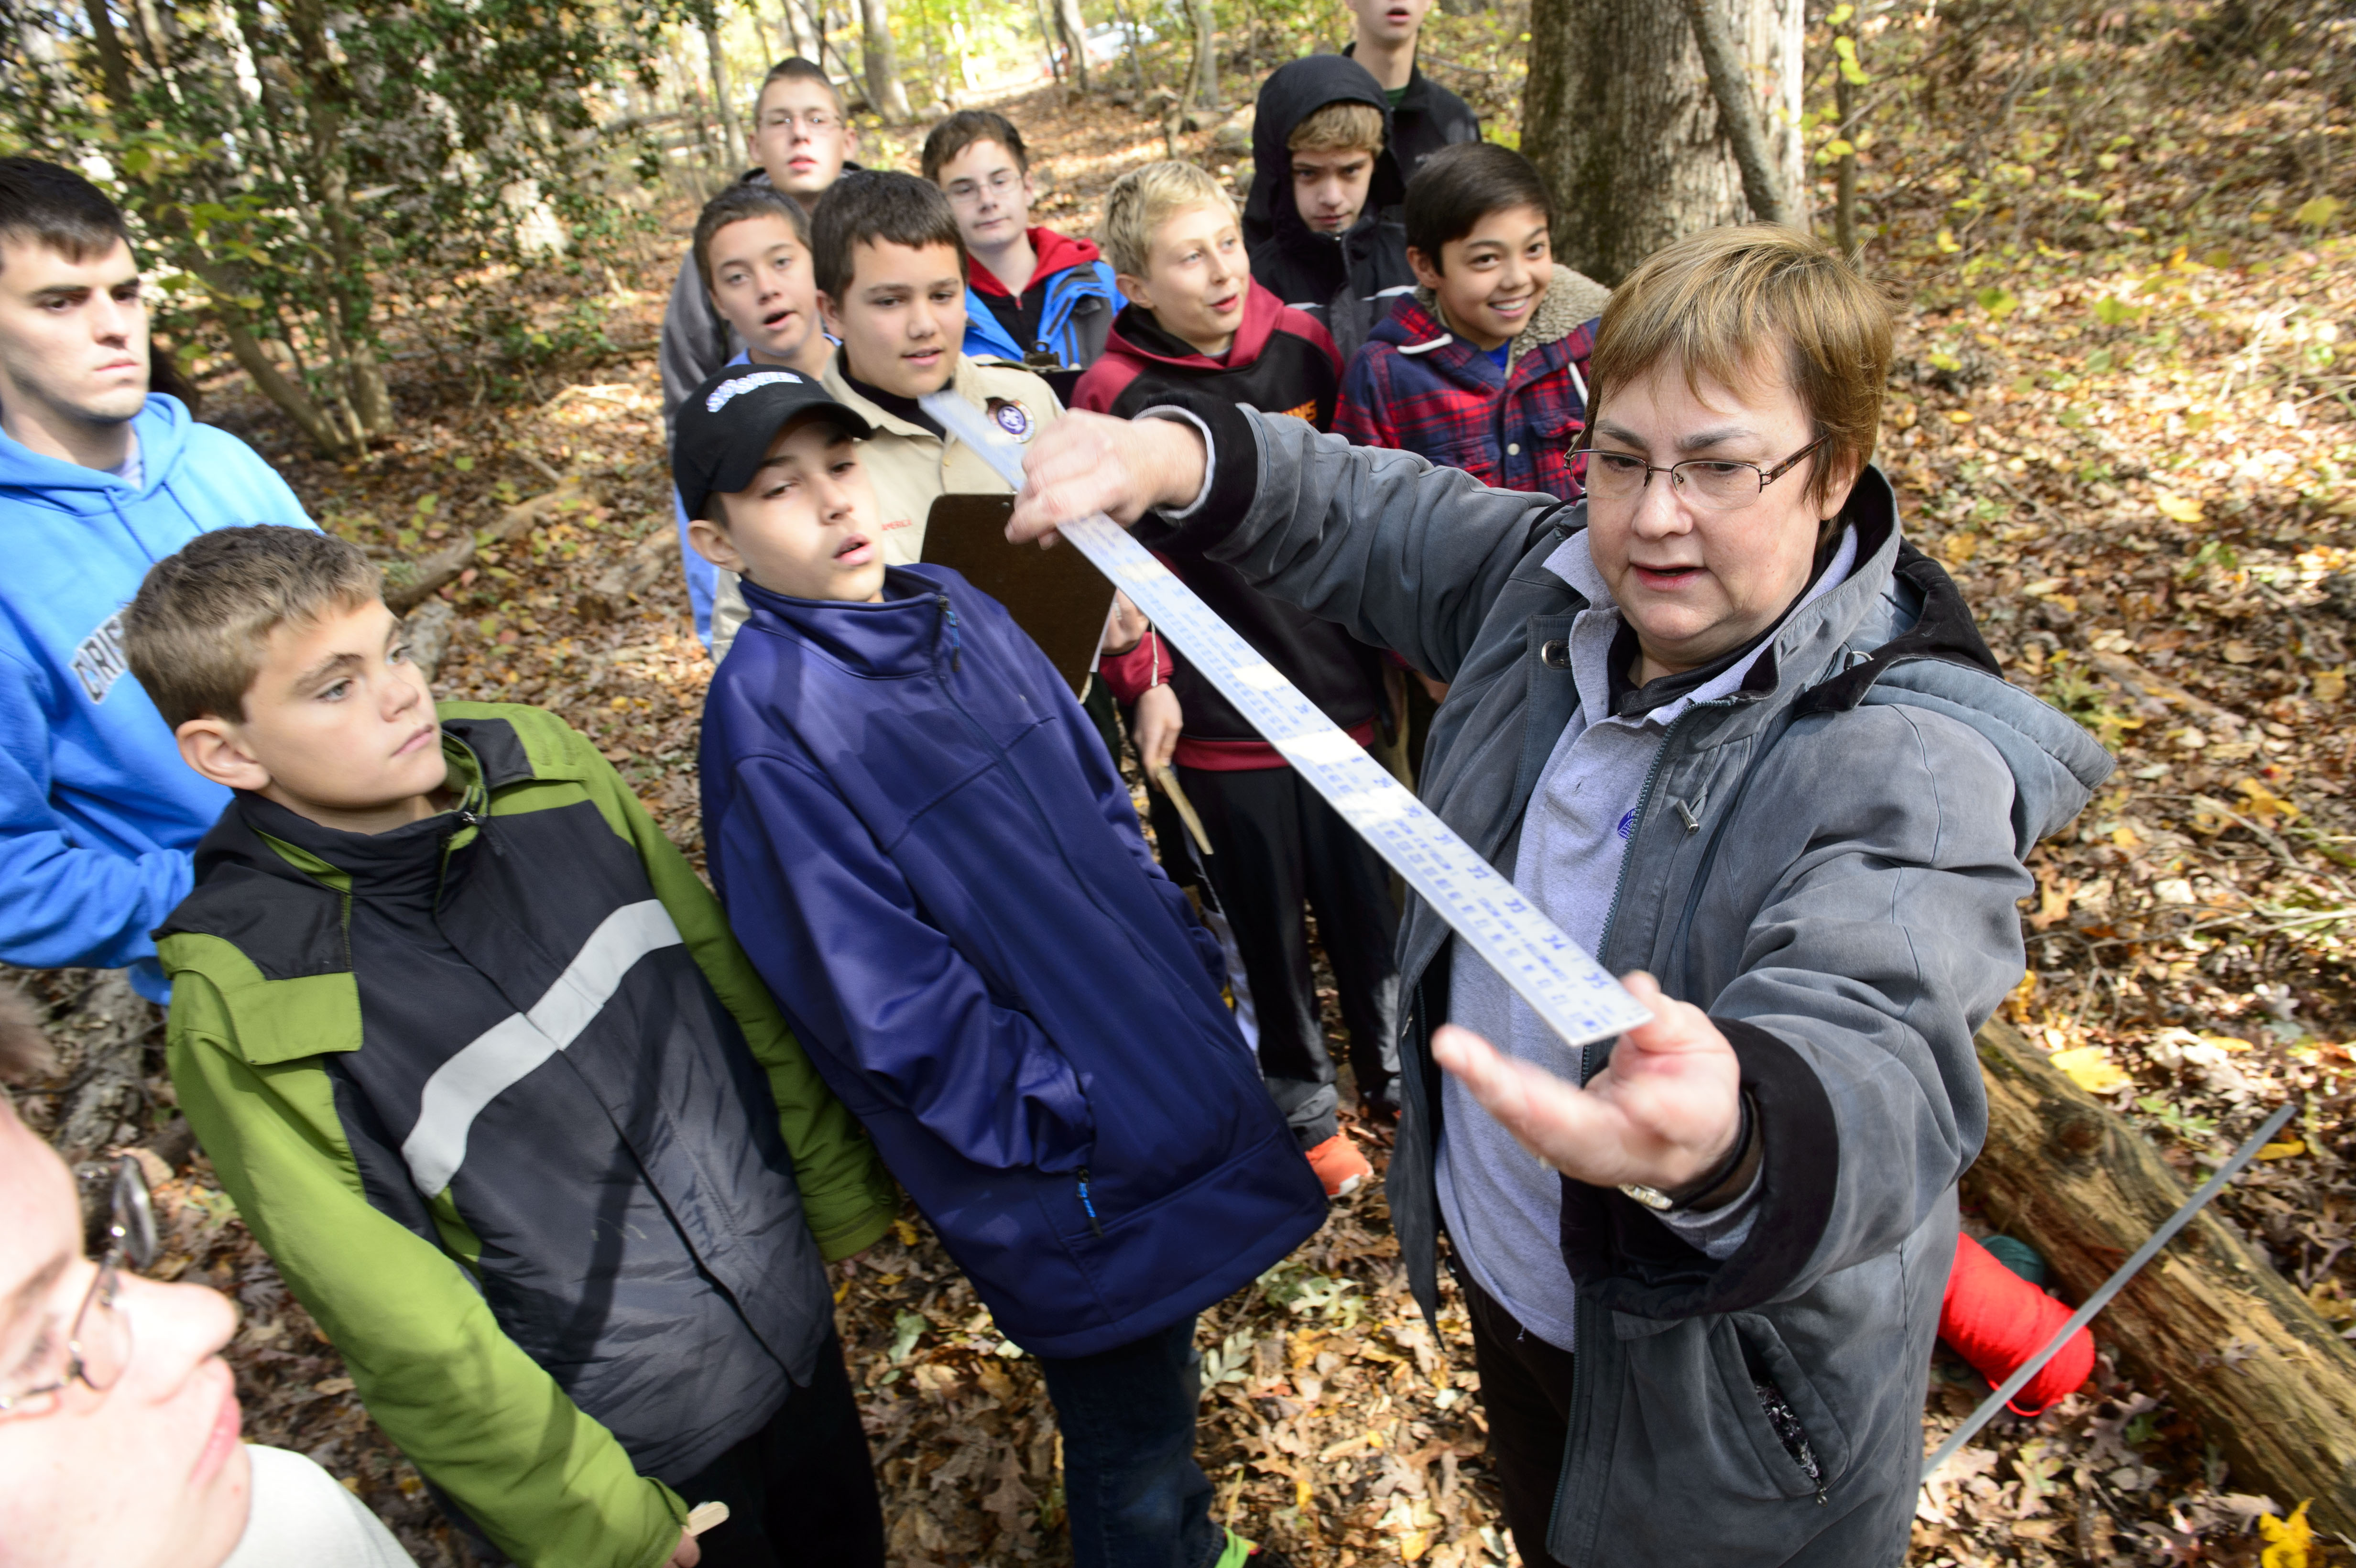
[1565, 987]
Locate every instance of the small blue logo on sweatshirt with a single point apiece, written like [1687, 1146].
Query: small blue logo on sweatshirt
[1628, 825]
[98, 662]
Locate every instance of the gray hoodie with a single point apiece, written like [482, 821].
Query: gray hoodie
[1825, 860]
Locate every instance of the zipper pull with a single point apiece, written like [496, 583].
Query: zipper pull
[482, 825]
[950, 630]
[1093, 1223]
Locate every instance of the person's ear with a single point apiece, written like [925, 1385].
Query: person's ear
[1133, 289]
[1030, 190]
[1426, 273]
[712, 543]
[828, 315]
[1843, 471]
[215, 748]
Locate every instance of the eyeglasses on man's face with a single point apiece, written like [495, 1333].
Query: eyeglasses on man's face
[999, 183]
[815, 122]
[1707, 483]
[96, 1346]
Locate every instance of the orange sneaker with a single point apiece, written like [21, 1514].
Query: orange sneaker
[1340, 1166]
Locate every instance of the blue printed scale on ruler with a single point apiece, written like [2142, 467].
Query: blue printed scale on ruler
[1561, 983]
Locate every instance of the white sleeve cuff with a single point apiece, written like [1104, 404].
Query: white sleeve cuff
[1210, 460]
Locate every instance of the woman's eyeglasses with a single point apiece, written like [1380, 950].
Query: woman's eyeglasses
[1709, 484]
[97, 1347]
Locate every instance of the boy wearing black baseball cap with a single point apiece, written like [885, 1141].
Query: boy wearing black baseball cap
[929, 857]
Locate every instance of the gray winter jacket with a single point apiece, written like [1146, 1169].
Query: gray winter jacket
[1836, 890]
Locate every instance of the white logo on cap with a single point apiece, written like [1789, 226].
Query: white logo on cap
[722, 393]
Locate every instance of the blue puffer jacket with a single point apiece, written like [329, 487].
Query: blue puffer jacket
[924, 846]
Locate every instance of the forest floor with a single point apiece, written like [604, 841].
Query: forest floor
[2129, 434]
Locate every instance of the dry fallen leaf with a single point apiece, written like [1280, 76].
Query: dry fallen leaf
[2183, 509]
[2090, 1068]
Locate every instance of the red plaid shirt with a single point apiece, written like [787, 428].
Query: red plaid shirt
[1415, 387]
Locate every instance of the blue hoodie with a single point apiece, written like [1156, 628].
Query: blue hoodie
[98, 813]
[927, 851]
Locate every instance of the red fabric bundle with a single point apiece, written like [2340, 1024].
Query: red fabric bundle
[1997, 1320]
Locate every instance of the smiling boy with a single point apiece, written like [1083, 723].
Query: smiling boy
[1198, 324]
[1484, 367]
[891, 266]
[934, 865]
[100, 476]
[1037, 298]
[472, 1049]
[1320, 221]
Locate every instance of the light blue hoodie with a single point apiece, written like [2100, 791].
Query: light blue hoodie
[98, 813]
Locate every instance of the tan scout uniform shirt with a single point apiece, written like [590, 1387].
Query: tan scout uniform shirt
[911, 467]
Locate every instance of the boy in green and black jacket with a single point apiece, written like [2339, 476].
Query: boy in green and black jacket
[472, 1049]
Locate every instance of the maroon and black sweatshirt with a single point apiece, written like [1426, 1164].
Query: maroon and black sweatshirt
[1281, 362]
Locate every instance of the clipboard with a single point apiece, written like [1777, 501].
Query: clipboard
[1057, 596]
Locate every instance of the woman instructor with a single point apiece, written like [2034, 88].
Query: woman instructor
[1728, 729]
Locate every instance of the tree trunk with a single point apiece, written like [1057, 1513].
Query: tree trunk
[732, 130]
[1618, 116]
[1738, 110]
[1075, 30]
[884, 89]
[1203, 78]
[1844, 170]
[1047, 40]
[798, 37]
[2229, 1340]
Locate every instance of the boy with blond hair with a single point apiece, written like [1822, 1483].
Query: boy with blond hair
[938, 870]
[1320, 220]
[471, 1047]
[1198, 326]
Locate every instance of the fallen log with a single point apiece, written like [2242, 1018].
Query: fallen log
[2232, 1344]
[404, 590]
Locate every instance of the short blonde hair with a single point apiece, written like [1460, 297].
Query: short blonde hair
[1143, 200]
[197, 633]
[1338, 127]
[1713, 300]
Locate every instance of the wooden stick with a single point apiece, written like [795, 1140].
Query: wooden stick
[703, 1516]
[1168, 780]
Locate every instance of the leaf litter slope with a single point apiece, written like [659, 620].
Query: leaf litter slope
[2121, 415]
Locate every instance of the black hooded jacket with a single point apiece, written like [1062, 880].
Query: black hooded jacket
[1427, 118]
[1344, 283]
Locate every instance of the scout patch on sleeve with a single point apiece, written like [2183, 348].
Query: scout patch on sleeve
[98, 662]
[1011, 417]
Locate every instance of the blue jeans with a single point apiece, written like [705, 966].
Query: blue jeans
[1137, 1497]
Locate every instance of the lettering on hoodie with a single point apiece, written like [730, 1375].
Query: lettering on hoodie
[98, 661]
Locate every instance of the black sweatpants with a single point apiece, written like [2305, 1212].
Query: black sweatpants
[1277, 845]
[801, 1490]
[1525, 1398]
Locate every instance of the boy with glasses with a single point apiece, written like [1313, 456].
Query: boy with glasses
[117, 1418]
[1033, 297]
[801, 141]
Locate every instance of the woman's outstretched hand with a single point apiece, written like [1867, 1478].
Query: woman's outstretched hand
[1084, 463]
[1664, 1113]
